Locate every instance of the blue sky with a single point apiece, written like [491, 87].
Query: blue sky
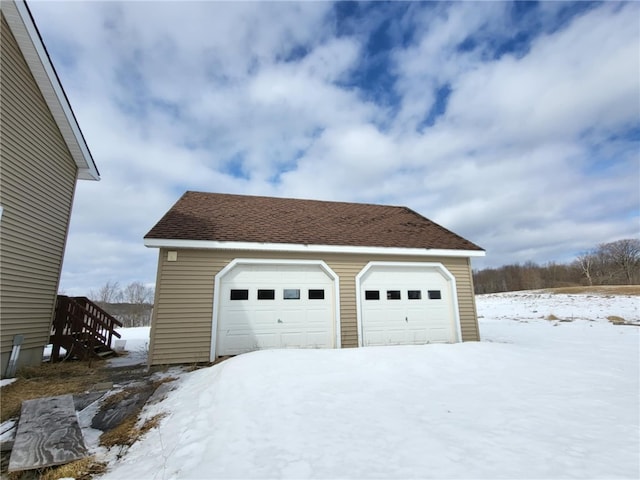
[516, 125]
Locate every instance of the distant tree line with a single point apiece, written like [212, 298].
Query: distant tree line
[132, 304]
[615, 263]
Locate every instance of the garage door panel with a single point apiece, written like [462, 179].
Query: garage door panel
[290, 340]
[263, 340]
[396, 336]
[373, 338]
[237, 318]
[418, 337]
[259, 318]
[293, 318]
[296, 320]
[316, 318]
[236, 342]
[415, 305]
[317, 339]
[416, 313]
[439, 335]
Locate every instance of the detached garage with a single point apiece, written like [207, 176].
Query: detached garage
[241, 273]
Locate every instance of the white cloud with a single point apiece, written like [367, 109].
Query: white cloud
[512, 148]
[434, 60]
[347, 162]
[530, 158]
[576, 79]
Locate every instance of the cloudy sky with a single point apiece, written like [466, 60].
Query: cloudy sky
[516, 125]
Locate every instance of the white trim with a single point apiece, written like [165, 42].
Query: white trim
[297, 247]
[420, 265]
[35, 54]
[267, 261]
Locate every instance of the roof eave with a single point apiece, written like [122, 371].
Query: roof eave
[296, 247]
[35, 54]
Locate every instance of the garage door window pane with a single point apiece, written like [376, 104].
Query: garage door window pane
[393, 294]
[434, 295]
[372, 295]
[414, 294]
[291, 294]
[316, 294]
[266, 294]
[239, 295]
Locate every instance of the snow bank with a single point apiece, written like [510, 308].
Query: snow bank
[534, 399]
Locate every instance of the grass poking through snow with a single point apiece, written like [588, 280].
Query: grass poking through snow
[83, 469]
[616, 320]
[128, 432]
[597, 290]
[46, 380]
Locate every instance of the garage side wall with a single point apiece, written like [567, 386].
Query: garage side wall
[183, 311]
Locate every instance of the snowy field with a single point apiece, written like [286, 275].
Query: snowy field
[535, 399]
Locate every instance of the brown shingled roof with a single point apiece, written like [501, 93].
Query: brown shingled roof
[242, 218]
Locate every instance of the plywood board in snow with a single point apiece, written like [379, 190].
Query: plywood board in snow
[48, 434]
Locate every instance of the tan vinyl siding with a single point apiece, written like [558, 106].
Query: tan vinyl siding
[466, 296]
[183, 312]
[37, 183]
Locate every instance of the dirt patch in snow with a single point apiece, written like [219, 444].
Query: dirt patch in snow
[121, 393]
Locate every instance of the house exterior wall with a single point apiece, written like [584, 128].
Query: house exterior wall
[183, 311]
[37, 184]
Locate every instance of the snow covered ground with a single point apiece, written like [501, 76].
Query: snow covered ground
[6, 381]
[135, 341]
[535, 399]
[529, 305]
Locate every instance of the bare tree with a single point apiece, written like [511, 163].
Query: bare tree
[109, 293]
[624, 256]
[612, 263]
[137, 292]
[586, 262]
[138, 298]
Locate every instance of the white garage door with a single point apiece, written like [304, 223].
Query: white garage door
[407, 305]
[266, 306]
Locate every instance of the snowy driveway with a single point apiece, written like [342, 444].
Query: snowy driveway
[535, 399]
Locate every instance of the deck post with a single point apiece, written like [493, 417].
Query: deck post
[59, 321]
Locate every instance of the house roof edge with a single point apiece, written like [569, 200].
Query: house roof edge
[296, 247]
[27, 35]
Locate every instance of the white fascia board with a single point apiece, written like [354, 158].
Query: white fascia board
[296, 247]
[35, 54]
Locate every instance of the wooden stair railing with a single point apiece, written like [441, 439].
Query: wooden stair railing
[82, 328]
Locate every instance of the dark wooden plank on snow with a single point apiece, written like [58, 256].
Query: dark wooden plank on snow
[48, 434]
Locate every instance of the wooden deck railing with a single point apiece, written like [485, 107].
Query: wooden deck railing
[82, 328]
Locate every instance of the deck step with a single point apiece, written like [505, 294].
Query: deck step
[106, 353]
[48, 434]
